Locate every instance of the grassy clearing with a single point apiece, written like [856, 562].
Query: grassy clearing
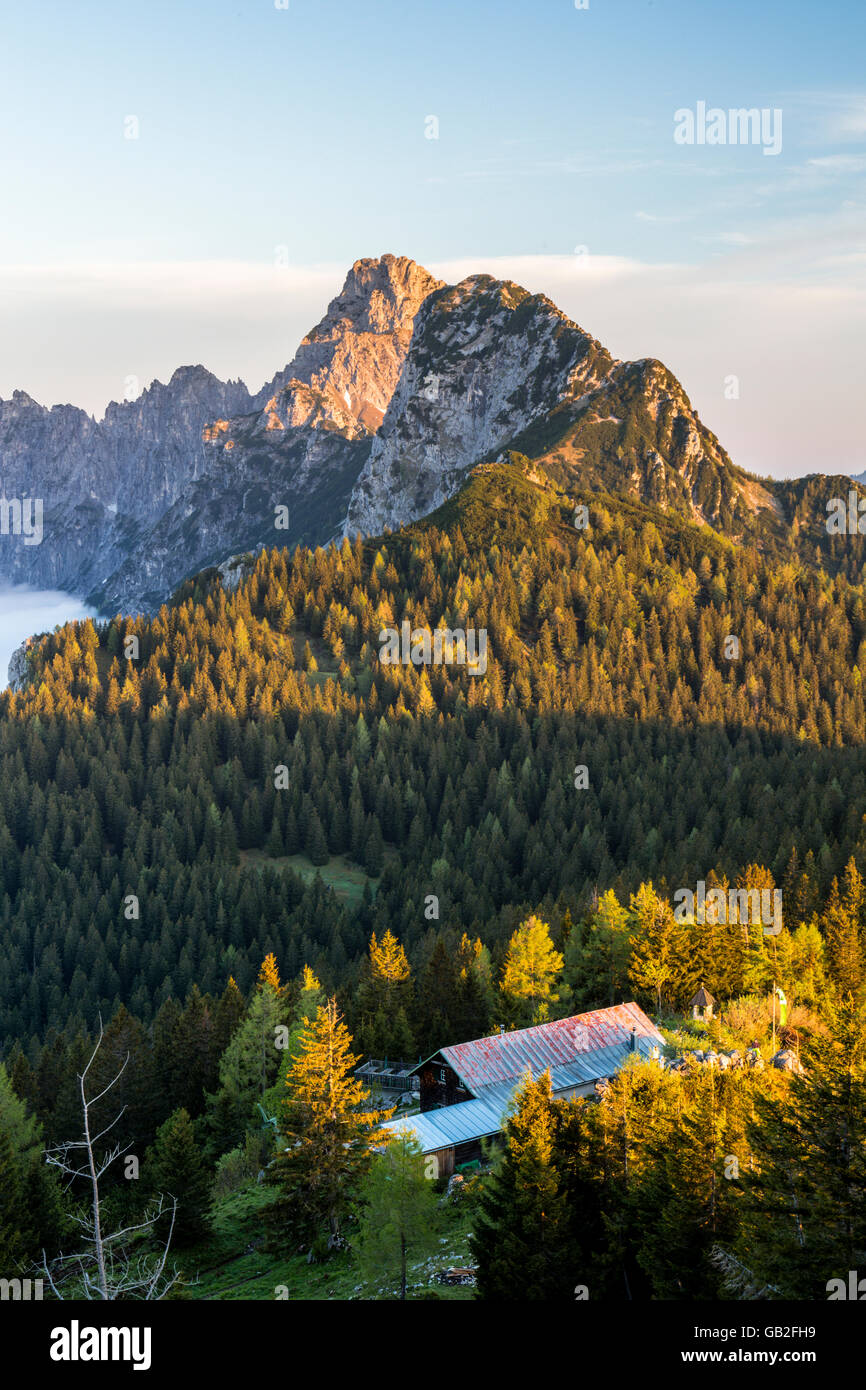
[226, 1268]
[344, 875]
[340, 873]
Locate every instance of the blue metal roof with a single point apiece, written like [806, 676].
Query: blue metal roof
[577, 1051]
[453, 1124]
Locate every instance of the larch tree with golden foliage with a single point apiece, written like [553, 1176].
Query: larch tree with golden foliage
[311, 997]
[327, 1138]
[269, 974]
[532, 967]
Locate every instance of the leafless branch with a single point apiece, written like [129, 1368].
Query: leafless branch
[108, 1270]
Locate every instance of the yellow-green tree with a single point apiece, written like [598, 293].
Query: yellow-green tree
[384, 998]
[804, 1214]
[311, 997]
[401, 1217]
[531, 970]
[327, 1139]
[655, 964]
[269, 974]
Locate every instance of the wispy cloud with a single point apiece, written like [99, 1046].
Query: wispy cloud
[728, 238]
[825, 117]
[840, 163]
[663, 217]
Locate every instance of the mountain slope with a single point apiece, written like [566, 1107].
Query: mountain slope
[606, 650]
[628, 617]
[486, 360]
[191, 472]
[492, 367]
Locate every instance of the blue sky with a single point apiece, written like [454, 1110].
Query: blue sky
[304, 128]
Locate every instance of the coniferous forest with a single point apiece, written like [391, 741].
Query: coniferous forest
[239, 853]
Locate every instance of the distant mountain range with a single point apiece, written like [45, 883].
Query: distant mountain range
[403, 387]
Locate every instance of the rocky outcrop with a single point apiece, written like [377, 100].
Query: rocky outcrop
[19, 671]
[353, 358]
[299, 452]
[486, 360]
[233, 570]
[233, 507]
[492, 367]
[103, 484]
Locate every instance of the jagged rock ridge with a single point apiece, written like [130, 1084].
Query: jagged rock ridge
[191, 472]
[404, 386]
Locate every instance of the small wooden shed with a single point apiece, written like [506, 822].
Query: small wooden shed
[702, 1005]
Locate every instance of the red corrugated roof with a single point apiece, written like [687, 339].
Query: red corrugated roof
[506, 1056]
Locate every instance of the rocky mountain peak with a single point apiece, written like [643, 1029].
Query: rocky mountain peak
[486, 360]
[380, 296]
[22, 400]
[182, 378]
[355, 354]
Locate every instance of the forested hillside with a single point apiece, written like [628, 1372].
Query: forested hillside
[241, 780]
[157, 775]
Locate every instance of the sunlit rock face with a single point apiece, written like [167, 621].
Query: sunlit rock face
[353, 358]
[493, 368]
[18, 674]
[300, 446]
[486, 359]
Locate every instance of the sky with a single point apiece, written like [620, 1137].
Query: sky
[189, 182]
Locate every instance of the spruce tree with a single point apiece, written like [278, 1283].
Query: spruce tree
[686, 1202]
[250, 1063]
[804, 1208]
[374, 849]
[315, 844]
[174, 1166]
[437, 998]
[13, 1244]
[520, 1240]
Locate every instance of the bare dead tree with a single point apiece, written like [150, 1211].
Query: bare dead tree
[108, 1268]
[738, 1280]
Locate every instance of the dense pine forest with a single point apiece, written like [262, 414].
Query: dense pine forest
[215, 821]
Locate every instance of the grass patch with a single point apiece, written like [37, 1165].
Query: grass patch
[340, 873]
